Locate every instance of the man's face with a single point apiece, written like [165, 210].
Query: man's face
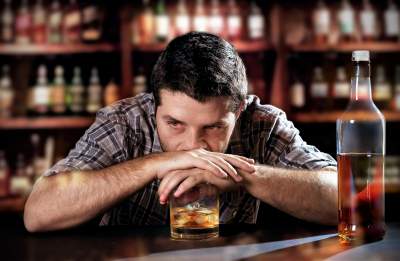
[184, 123]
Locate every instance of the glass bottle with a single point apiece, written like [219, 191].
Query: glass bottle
[346, 21]
[234, 21]
[72, 23]
[368, 21]
[7, 23]
[182, 19]
[360, 154]
[58, 105]
[256, 22]
[321, 22]
[139, 83]
[7, 93]
[111, 93]
[146, 24]
[77, 93]
[397, 89]
[23, 24]
[41, 93]
[55, 23]
[382, 90]
[162, 22]
[341, 89]
[92, 23]
[297, 96]
[200, 18]
[94, 101]
[39, 23]
[4, 175]
[216, 20]
[392, 22]
[319, 90]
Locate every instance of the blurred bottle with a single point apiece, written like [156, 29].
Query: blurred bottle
[182, 19]
[55, 23]
[368, 22]
[92, 23]
[297, 96]
[319, 90]
[7, 93]
[94, 98]
[77, 93]
[216, 23]
[346, 21]
[200, 23]
[58, 105]
[382, 91]
[41, 93]
[322, 22]
[39, 23]
[72, 23]
[341, 89]
[7, 23]
[4, 175]
[234, 21]
[23, 23]
[20, 183]
[255, 22]
[139, 83]
[37, 160]
[111, 93]
[162, 22]
[392, 22]
[397, 89]
[146, 23]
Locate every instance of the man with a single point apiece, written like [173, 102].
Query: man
[198, 125]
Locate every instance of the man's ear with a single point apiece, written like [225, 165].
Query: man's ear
[240, 109]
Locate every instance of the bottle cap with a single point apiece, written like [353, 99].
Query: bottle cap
[360, 56]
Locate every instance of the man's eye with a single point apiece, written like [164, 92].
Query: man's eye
[173, 123]
[213, 127]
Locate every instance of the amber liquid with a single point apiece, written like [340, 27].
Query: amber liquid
[198, 223]
[361, 198]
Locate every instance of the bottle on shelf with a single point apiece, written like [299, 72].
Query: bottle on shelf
[346, 21]
[111, 93]
[146, 24]
[321, 22]
[182, 19]
[7, 23]
[392, 22]
[92, 24]
[37, 159]
[20, 182]
[382, 91]
[361, 135]
[77, 93]
[94, 98]
[7, 93]
[4, 175]
[255, 22]
[139, 83]
[72, 23]
[58, 105]
[200, 21]
[39, 23]
[216, 23]
[234, 21]
[297, 96]
[368, 22]
[55, 23]
[319, 90]
[23, 23]
[162, 22]
[397, 89]
[341, 89]
[40, 93]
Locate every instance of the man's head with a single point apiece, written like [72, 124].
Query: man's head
[199, 84]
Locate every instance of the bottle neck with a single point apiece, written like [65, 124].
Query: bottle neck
[361, 82]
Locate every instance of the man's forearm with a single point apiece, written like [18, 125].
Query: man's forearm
[309, 195]
[69, 199]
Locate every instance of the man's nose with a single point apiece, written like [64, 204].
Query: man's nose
[195, 140]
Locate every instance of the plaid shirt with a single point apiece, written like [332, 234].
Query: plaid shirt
[127, 130]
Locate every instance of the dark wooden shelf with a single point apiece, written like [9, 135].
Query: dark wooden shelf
[384, 47]
[321, 117]
[64, 122]
[12, 203]
[48, 49]
[241, 46]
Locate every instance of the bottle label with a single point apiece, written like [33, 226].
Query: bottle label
[368, 23]
[397, 102]
[346, 21]
[182, 24]
[216, 24]
[297, 95]
[234, 25]
[55, 19]
[342, 90]
[41, 95]
[256, 26]
[162, 25]
[200, 23]
[322, 22]
[392, 23]
[72, 19]
[319, 90]
[382, 92]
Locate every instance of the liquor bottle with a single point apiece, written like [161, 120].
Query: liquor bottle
[77, 93]
[397, 89]
[92, 24]
[382, 91]
[7, 23]
[319, 90]
[23, 24]
[255, 22]
[368, 21]
[346, 21]
[94, 101]
[162, 22]
[182, 19]
[322, 22]
[341, 89]
[146, 24]
[392, 21]
[55, 23]
[41, 93]
[111, 93]
[4, 175]
[58, 92]
[6, 93]
[297, 96]
[216, 20]
[234, 21]
[39, 23]
[139, 83]
[37, 160]
[360, 135]
[72, 23]
[200, 22]
[20, 183]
